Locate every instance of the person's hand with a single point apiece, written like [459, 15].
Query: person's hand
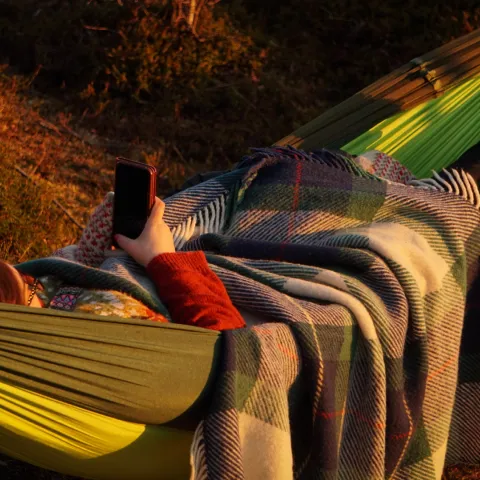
[155, 239]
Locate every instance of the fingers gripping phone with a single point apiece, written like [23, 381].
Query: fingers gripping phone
[135, 190]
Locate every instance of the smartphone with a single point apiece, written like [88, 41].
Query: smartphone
[135, 190]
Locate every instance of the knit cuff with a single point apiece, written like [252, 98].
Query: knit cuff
[178, 261]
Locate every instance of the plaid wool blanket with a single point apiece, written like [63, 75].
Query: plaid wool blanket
[364, 284]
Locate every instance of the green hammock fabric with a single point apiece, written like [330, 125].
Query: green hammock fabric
[420, 80]
[421, 133]
[169, 367]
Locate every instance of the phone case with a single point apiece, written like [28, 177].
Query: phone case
[152, 188]
[153, 175]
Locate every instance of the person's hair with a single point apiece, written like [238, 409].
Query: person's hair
[10, 290]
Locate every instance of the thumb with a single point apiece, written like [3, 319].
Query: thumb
[157, 211]
[124, 243]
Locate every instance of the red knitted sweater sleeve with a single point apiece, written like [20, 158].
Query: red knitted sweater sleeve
[192, 293]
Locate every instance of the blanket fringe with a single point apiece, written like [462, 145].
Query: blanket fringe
[198, 463]
[461, 184]
[212, 217]
[209, 219]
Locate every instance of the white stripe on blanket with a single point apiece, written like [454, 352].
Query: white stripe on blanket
[407, 248]
[303, 288]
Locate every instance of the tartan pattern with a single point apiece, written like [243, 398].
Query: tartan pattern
[364, 282]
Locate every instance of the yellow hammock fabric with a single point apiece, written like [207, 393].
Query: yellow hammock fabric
[55, 435]
[432, 135]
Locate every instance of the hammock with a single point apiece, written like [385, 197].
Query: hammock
[113, 398]
[407, 113]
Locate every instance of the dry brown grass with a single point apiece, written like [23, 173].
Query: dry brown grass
[47, 162]
[462, 472]
[60, 168]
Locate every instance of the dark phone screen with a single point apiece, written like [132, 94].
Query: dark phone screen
[132, 196]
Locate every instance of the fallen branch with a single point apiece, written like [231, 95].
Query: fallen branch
[99, 29]
[179, 153]
[60, 130]
[48, 125]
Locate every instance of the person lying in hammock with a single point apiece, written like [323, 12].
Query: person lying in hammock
[192, 293]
